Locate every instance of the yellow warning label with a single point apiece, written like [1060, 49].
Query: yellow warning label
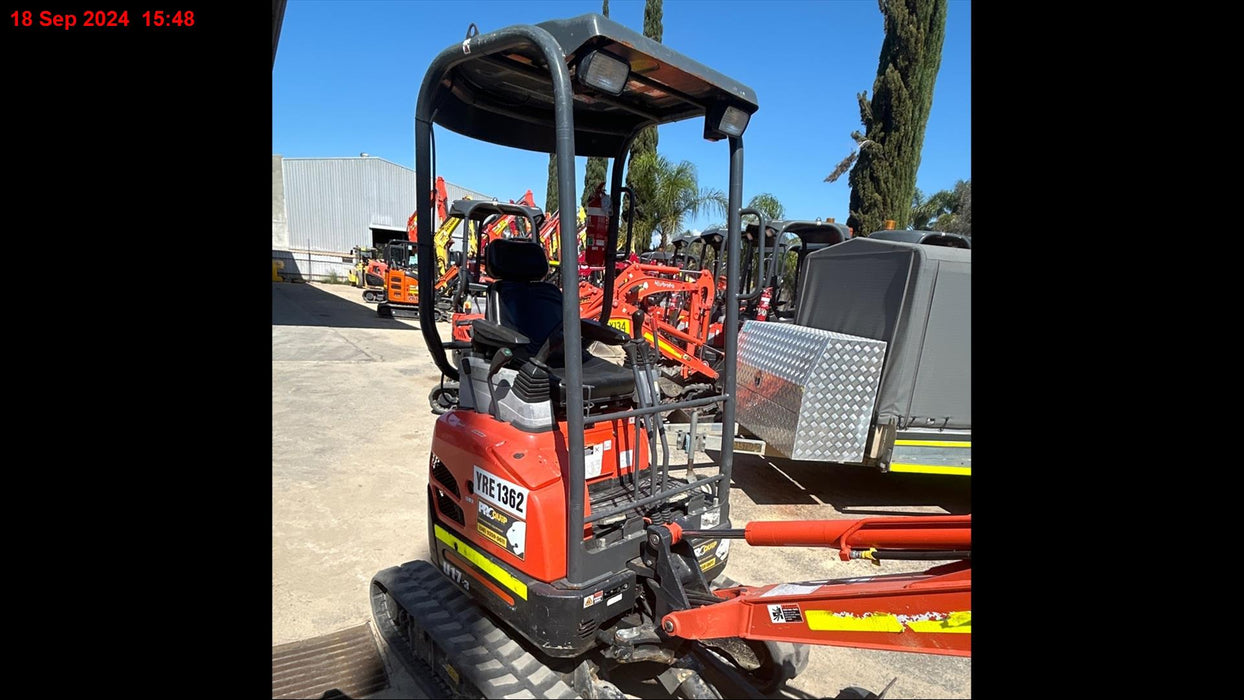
[708, 563]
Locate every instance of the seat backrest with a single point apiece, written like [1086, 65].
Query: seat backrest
[518, 299]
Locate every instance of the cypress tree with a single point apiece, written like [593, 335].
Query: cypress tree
[646, 140]
[550, 199]
[597, 168]
[883, 180]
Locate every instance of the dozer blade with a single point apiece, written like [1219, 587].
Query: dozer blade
[390, 310]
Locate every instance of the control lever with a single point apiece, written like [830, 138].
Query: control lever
[502, 356]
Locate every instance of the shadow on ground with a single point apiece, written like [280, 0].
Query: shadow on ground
[851, 490]
[296, 304]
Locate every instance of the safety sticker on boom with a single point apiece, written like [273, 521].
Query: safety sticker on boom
[785, 613]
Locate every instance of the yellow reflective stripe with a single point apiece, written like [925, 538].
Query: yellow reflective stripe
[484, 563]
[931, 469]
[824, 620]
[934, 443]
[664, 345]
[957, 623]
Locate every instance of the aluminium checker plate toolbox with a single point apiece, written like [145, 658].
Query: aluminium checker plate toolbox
[808, 393]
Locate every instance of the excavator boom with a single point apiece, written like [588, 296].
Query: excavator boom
[928, 612]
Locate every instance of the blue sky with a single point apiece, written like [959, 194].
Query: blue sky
[347, 75]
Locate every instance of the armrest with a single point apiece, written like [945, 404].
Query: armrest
[495, 335]
[592, 330]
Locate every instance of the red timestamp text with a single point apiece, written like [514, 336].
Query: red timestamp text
[102, 18]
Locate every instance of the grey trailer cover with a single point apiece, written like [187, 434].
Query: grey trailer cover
[915, 297]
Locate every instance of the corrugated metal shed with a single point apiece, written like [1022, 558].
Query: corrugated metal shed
[332, 203]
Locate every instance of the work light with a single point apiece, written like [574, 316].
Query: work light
[724, 120]
[604, 72]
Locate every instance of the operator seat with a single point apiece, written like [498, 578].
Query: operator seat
[519, 300]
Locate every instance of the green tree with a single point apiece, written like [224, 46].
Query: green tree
[646, 140]
[597, 167]
[958, 215]
[924, 211]
[669, 194]
[767, 204]
[764, 202]
[550, 199]
[883, 179]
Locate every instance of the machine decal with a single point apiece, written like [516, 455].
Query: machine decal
[707, 554]
[621, 324]
[700, 549]
[613, 600]
[501, 493]
[482, 562]
[503, 530]
[723, 549]
[788, 613]
[592, 599]
[454, 573]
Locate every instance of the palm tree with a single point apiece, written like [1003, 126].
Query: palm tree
[666, 195]
[924, 211]
[763, 202]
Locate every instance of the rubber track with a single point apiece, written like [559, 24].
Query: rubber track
[481, 652]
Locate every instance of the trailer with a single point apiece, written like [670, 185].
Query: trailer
[876, 368]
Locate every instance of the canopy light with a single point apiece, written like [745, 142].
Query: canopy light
[604, 72]
[734, 121]
[723, 120]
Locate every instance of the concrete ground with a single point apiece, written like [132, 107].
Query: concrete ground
[351, 430]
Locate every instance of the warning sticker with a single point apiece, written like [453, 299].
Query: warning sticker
[593, 599]
[502, 529]
[593, 458]
[785, 613]
[708, 563]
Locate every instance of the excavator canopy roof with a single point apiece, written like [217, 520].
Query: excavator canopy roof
[500, 90]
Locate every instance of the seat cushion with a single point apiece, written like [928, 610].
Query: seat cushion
[604, 378]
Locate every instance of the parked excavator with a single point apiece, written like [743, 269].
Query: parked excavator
[564, 546]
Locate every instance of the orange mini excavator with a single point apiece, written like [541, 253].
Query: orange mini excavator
[563, 545]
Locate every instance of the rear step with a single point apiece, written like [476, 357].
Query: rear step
[445, 630]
